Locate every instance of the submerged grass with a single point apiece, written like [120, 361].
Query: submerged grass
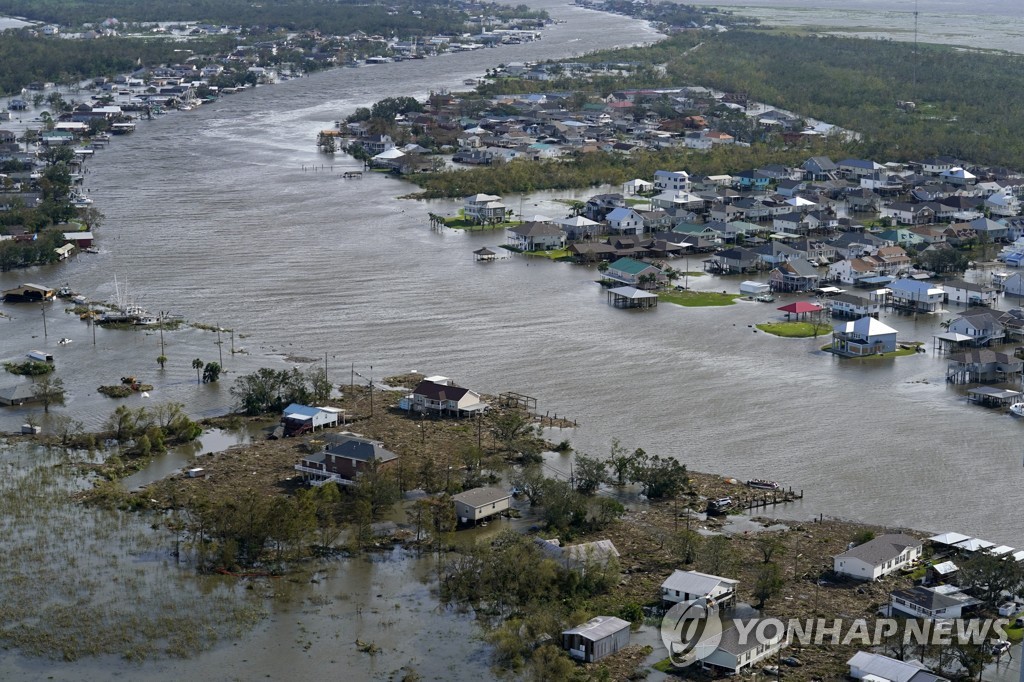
[84, 581]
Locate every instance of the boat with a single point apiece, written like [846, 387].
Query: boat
[64, 341]
[65, 292]
[1017, 409]
[91, 249]
[762, 484]
[78, 299]
[765, 298]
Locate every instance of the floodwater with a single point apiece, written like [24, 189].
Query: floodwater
[217, 215]
[989, 24]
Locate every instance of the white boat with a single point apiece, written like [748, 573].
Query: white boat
[1017, 409]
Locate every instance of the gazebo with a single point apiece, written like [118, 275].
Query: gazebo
[484, 255]
[631, 297]
[801, 308]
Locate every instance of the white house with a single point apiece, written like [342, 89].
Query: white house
[300, 418]
[878, 557]
[536, 236]
[736, 653]
[483, 208]
[637, 186]
[878, 668]
[852, 305]
[852, 270]
[439, 394]
[916, 295]
[625, 221]
[866, 336]
[687, 585]
[671, 181]
[959, 291]
[931, 603]
[480, 503]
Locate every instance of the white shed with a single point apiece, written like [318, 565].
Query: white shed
[754, 288]
[480, 503]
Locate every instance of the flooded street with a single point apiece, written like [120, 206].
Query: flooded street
[215, 214]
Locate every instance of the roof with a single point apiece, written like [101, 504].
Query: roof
[17, 392]
[598, 628]
[934, 600]
[630, 266]
[881, 549]
[799, 307]
[695, 582]
[355, 447]
[478, 497]
[866, 327]
[884, 667]
[974, 544]
[296, 411]
[434, 391]
[536, 230]
[632, 293]
[945, 568]
[948, 538]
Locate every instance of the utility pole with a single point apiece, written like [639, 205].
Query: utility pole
[43, 308]
[220, 347]
[232, 342]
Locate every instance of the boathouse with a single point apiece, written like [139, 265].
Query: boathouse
[988, 396]
[631, 297]
[28, 293]
[599, 637]
[484, 255]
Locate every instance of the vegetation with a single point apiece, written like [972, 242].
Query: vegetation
[270, 390]
[30, 368]
[797, 330]
[697, 299]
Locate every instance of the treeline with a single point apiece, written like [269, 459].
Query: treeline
[964, 106]
[329, 16]
[25, 58]
[600, 168]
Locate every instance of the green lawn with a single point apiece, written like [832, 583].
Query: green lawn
[554, 254]
[795, 330]
[460, 223]
[697, 299]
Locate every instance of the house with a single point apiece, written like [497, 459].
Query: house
[858, 168]
[916, 295]
[579, 227]
[440, 395]
[794, 275]
[19, 394]
[1014, 284]
[819, 168]
[634, 273]
[852, 270]
[536, 236]
[866, 336]
[597, 638]
[879, 557]
[733, 261]
[298, 419]
[931, 603]
[483, 208]
[852, 305]
[909, 214]
[637, 186]
[344, 457]
[878, 668]
[671, 181]
[959, 291]
[600, 205]
[478, 504]
[736, 653]
[624, 221]
[684, 586]
[982, 325]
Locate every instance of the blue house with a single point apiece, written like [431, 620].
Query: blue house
[751, 179]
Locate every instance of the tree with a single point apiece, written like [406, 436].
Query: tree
[988, 577]
[49, 390]
[211, 372]
[687, 545]
[768, 546]
[717, 556]
[767, 583]
[620, 462]
[516, 431]
[161, 360]
[564, 508]
[659, 478]
[197, 365]
[589, 473]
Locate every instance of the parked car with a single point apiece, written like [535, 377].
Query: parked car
[999, 647]
[1019, 623]
[792, 661]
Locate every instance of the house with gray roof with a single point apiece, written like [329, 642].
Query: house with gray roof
[739, 649]
[478, 504]
[684, 586]
[931, 603]
[536, 236]
[597, 638]
[344, 457]
[865, 665]
[878, 557]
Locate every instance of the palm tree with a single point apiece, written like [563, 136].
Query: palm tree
[197, 365]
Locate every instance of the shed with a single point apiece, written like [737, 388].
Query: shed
[597, 638]
[478, 504]
[992, 397]
[750, 288]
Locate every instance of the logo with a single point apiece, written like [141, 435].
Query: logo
[691, 631]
